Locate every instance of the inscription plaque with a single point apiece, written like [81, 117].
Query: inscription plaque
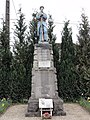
[44, 63]
[45, 103]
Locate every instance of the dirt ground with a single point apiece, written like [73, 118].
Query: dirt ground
[73, 111]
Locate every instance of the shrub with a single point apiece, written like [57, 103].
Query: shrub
[4, 104]
[85, 103]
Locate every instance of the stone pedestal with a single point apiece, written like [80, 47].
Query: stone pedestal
[44, 82]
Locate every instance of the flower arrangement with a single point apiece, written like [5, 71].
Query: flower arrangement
[4, 104]
[88, 99]
[46, 115]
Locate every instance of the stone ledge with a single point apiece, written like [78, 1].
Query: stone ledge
[44, 45]
[34, 111]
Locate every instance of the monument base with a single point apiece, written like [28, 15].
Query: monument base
[44, 81]
[33, 108]
[58, 107]
[34, 111]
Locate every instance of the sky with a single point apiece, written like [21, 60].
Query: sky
[61, 10]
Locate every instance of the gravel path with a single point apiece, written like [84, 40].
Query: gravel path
[74, 112]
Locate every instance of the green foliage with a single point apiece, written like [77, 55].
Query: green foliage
[83, 55]
[72, 65]
[16, 70]
[68, 88]
[55, 48]
[84, 103]
[22, 63]
[5, 63]
[20, 27]
[52, 39]
[4, 104]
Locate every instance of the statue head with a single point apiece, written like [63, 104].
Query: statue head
[41, 8]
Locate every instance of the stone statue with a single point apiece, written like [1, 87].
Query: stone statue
[42, 25]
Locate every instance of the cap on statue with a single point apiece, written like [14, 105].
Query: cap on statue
[41, 7]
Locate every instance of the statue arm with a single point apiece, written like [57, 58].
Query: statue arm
[44, 16]
[38, 16]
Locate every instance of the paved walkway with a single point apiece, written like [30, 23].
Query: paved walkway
[74, 112]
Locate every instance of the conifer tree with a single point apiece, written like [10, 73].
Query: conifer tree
[5, 63]
[52, 40]
[83, 55]
[68, 89]
[22, 62]
[55, 48]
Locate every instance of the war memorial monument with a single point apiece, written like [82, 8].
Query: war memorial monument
[44, 80]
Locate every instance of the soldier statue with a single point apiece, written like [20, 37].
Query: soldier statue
[42, 25]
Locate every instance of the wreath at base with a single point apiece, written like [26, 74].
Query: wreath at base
[46, 115]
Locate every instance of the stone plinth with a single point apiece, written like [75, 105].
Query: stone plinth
[44, 82]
